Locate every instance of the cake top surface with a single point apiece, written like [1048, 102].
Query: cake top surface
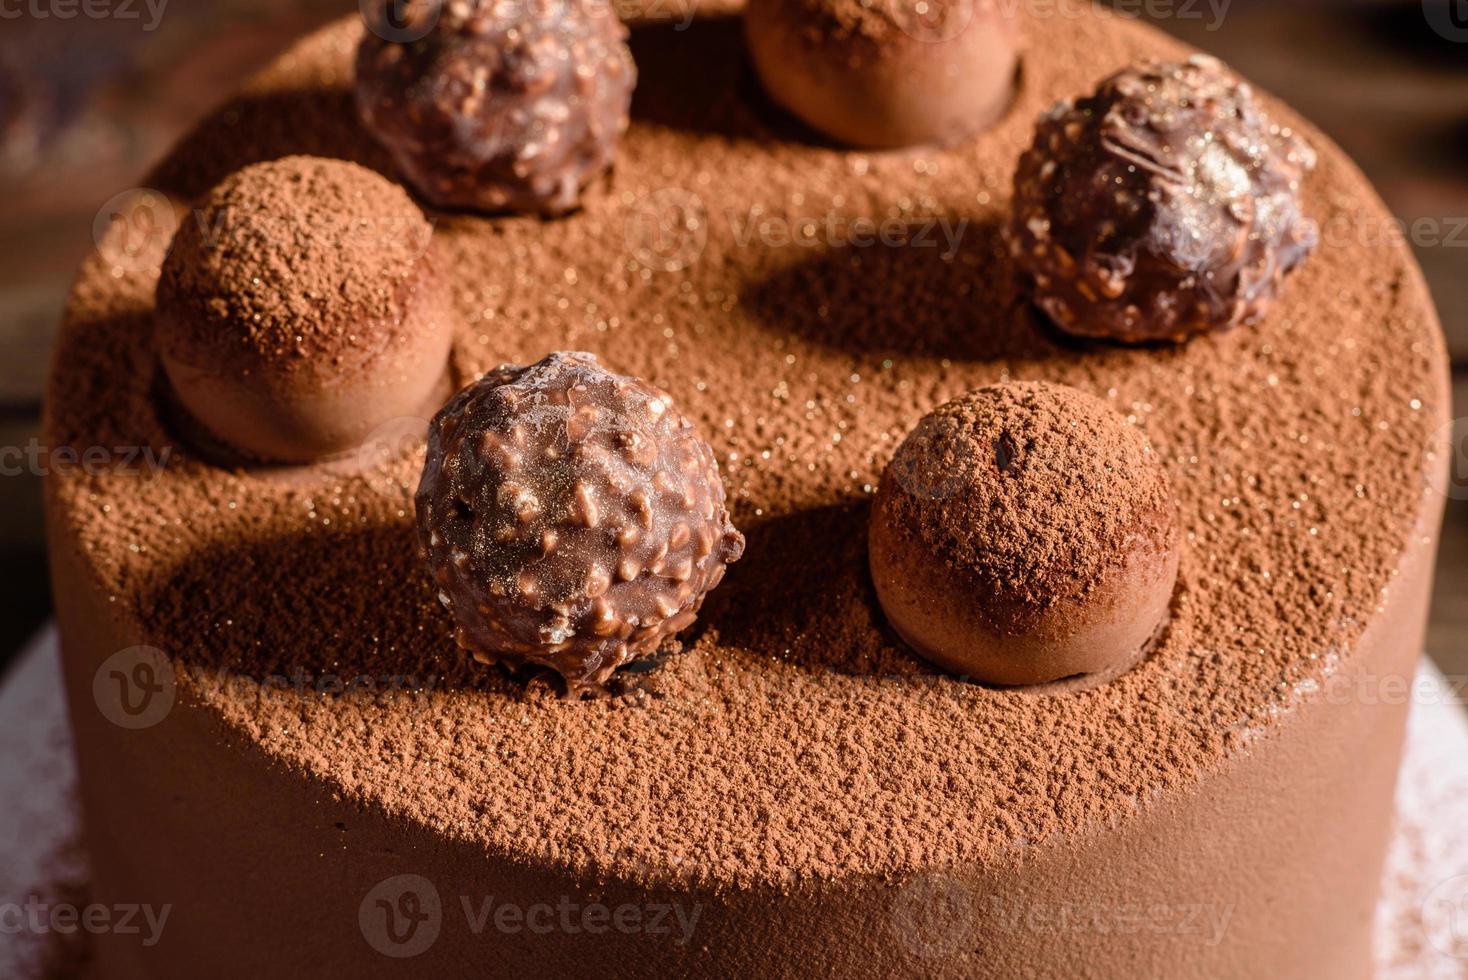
[805, 306]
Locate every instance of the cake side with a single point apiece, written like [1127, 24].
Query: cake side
[1297, 447]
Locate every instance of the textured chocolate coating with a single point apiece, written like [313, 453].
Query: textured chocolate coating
[886, 73]
[1025, 533]
[573, 518]
[300, 308]
[500, 106]
[1163, 206]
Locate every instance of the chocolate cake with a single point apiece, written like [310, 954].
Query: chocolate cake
[305, 766]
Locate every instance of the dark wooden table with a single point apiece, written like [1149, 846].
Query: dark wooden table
[86, 106]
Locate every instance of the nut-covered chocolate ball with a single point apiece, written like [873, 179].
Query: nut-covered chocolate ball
[886, 73]
[1163, 206]
[572, 518]
[1023, 534]
[299, 309]
[497, 106]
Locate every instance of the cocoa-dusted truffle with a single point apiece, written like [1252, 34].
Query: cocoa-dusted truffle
[298, 309]
[1025, 533]
[499, 106]
[1163, 206]
[886, 73]
[572, 518]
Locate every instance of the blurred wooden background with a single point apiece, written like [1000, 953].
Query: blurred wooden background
[87, 105]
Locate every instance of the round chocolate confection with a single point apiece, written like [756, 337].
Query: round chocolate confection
[299, 309]
[1165, 205]
[796, 778]
[572, 517]
[1025, 533]
[887, 73]
[498, 106]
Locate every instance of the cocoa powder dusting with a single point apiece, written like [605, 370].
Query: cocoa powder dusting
[275, 269]
[793, 737]
[870, 26]
[1060, 496]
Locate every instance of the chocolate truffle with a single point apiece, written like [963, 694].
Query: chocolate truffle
[886, 73]
[572, 518]
[1025, 533]
[298, 310]
[1164, 206]
[499, 106]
